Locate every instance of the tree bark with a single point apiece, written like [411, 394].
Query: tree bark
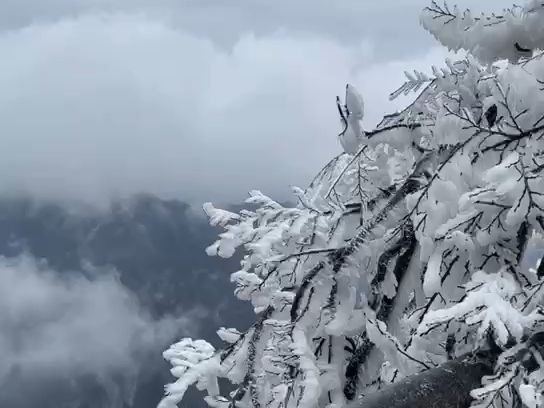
[446, 386]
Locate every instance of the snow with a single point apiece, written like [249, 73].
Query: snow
[444, 197]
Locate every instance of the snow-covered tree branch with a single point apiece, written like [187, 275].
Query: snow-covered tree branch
[406, 252]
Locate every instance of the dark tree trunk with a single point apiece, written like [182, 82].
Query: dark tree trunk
[446, 386]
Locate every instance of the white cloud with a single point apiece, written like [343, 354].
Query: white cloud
[392, 23]
[58, 325]
[107, 106]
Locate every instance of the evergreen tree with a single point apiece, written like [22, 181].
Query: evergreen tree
[406, 251]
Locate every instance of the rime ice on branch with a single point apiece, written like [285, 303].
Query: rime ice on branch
[406, 250]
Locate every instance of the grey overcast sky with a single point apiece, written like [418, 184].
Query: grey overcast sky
[193, 99]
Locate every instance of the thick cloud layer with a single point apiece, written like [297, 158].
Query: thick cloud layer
[390, 23]
[106, 106]
[53, 325]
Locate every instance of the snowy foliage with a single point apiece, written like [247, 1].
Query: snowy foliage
[407, 249]
[351, 115]
[510, 34]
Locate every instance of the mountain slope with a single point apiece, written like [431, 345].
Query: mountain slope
[157, 248]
